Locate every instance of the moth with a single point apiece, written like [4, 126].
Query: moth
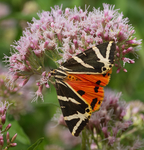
[79, 84]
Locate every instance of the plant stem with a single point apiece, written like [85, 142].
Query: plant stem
[83, 144]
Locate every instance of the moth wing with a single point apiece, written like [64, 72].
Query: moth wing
[89, 87]
[75, 109]
[96, 60]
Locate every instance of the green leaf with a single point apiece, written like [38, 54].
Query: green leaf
[36, 144]
[16, 128]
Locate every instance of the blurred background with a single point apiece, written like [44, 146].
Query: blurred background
[14, 15]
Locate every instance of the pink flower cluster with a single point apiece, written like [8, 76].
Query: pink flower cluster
[109, 121]
[61, 34]
[111, 124]
[3, 109]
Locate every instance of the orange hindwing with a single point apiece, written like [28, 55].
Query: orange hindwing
[89, 87]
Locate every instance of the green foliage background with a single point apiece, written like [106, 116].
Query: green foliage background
[131, 84]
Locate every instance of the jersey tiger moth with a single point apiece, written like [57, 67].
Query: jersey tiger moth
[79, 84]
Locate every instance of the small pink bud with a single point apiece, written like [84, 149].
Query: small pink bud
[129, 49]
[81, 11]
[8, 127]
[8, 141]
[2, 142]
[44, 27]
[46, 43]
[7, 135]
[74, 41]
[120, 34]
[13, 144]
[47, 85]
[118, 70]
[116, 65]
[67, 11]
[106, 36]
[117, 48]
[118, 55]
[59, 11]
[132, 61]
[123, 113]
[132, 32]
[38, 53]
[49, 74]
[23, 57]
[3, 119]
[37, 26]
[124, 52]
[52, 24]
[131, 41]
[15, 89]
[88, 40]
[105, 131]
[18, 47]
[27, 62]
[123, 46]
[38, 83]
[124, 70]
[14, 137]
[44, 73]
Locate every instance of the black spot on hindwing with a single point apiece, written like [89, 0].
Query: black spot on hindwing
[96, 89]
[104, 75]
[81, 92]
[98, 82]
[94, 101]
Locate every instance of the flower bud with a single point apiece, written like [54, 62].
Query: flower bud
[13, 138]
[8, 127]
[13, 144]
[3, 119]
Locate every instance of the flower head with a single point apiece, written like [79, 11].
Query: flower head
[62, 34]
[14, 96]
